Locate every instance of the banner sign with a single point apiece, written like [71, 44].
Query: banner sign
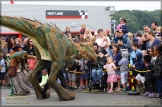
[66, 14]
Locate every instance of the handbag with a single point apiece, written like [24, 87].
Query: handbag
[12, 71]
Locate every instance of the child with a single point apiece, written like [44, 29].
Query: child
[110, 67]
[158, 69]
[159, 32]
[105, 41]
[72, 68]
[153, 55]
[44, 77]
[3, 70]
[124, 69]
[149, 67]
[83, 68]
[139, 66]
[117, 57]
[67, 30]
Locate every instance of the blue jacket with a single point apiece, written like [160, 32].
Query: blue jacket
[117, 58]
[140, 65]
[133, 56]
[124, 28]
[125, 40]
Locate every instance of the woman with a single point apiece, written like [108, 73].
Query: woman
[139, 37]
[10, 44]
[152, 42]
[18, 41]
[82, 30]
[20, 83]
[130, 36]
[87, 33]
[30, 51]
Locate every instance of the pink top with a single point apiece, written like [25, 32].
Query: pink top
[110, 68]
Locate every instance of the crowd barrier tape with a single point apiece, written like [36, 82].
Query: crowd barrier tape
[77, 72]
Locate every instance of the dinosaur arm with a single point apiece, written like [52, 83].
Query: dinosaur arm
[30, 57]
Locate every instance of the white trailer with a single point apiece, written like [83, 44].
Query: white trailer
[94, 17]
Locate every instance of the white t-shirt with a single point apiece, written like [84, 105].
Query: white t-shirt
[99, 41]
[3, 65]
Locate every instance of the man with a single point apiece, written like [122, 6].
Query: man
[146, 28]
[122, 41]
[25, 48]
[154, 25]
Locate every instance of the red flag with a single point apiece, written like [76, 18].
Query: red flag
[11, 2]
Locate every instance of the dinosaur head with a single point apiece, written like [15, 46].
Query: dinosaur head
[87, 52]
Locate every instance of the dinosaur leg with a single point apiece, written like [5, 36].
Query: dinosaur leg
[32, 77]
[63, 94]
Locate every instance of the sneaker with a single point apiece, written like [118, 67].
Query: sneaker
[110, 91]
[87, 88]
[80, 88]
[75, 87]
[128, 88]
[151, 95]
[157, 96]
[118, 89]
[3, 86]
[146, 93]
[124, 90]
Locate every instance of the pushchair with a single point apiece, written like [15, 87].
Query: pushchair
[101, 85]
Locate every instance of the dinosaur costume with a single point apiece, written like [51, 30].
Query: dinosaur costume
[52, 45]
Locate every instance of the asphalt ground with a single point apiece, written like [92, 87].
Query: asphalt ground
[83, 98]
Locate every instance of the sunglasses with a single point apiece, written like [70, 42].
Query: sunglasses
[31, 41]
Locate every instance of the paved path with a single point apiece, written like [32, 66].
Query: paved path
[83, 98]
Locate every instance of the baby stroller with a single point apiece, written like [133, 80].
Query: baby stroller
[101, 85]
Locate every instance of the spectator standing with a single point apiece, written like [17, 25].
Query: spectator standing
[154, 25]
[2, 70]
[158, 69]
[110, 67]
[67, 31]
[152, 41]
[122, 41]
[10, 44]
[82, 30]
[30, 51]
[124, 69]
[117, 56]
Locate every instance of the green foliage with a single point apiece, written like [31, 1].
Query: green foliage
[136, 19]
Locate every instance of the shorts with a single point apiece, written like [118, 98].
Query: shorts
[111, 78]
[117, 73]
[71, 76]
[84, 76]
[124, 77]
[2, 74]
[140, 78]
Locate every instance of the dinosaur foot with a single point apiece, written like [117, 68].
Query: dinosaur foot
[72, 96]
[47, 95]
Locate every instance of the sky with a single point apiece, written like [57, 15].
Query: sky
[119, 5]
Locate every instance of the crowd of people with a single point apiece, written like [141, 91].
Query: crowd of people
[142, 51]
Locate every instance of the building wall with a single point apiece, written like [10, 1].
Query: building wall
[98, 16]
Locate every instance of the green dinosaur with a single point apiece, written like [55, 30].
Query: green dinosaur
[52, 45]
